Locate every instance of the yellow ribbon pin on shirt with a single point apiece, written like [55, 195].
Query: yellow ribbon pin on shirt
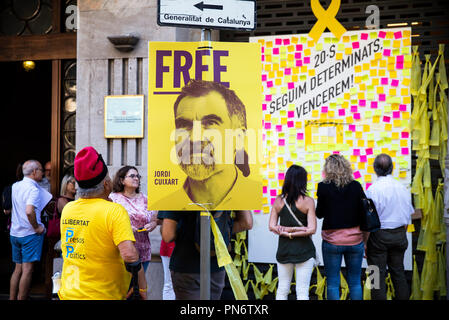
[326, 18]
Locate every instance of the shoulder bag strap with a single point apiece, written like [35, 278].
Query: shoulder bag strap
[293, 215]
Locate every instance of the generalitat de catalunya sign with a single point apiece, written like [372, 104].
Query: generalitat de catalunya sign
[208, 14]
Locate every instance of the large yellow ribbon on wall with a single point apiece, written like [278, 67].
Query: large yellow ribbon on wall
[326, 18]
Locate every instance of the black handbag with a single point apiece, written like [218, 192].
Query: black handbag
[370, 219]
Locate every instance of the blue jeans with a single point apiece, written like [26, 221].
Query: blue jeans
[332, 255]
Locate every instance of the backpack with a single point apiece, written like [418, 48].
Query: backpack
[6, 198]
[224, 222]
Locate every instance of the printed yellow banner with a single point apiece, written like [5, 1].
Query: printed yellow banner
[204, 126]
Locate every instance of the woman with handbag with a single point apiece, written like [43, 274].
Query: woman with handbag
[67, 194]
[295, 212]
[126, 191]
[339, 203]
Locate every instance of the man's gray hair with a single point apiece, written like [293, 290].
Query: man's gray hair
[94, 192]
[383, 165]
[29, 166]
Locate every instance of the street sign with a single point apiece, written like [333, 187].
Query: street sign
[208, 14]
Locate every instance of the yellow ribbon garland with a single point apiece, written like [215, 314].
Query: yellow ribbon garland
[429, 144]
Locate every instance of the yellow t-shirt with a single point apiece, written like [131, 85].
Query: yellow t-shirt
[91, 230]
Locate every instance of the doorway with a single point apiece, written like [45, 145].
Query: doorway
[25, 131]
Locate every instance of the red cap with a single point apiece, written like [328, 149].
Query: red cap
[90, 168]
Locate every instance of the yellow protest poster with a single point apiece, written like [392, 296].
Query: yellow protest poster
[204, 126]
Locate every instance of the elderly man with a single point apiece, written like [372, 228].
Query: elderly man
[27, 230]
[97, 241]
[387, 245]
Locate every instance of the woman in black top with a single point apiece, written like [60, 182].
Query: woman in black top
[339, 203]
[295, 247]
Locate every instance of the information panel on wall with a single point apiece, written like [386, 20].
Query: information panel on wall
[349, 96]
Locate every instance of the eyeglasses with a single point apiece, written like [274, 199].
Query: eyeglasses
[42, 170]
[132, 176]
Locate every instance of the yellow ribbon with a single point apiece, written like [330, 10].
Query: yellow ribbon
[320, 284]
[224, 259]
[390, 288]
[441, 273]
[344, 287]
[416, 282]
[367, 288]
[326, 18]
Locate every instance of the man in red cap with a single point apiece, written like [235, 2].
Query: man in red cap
[97, 241]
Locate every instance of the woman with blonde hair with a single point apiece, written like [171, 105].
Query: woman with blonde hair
[339, 203]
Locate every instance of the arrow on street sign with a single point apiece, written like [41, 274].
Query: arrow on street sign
[201, 6]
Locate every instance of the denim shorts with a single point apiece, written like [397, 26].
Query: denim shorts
[27, 249]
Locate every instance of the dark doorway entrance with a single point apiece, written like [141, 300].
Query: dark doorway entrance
[25, 133]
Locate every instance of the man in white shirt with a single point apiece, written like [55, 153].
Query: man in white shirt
[388, 245]
[27, 230]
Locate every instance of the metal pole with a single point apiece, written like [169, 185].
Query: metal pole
[205, 230]
[205, 34]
